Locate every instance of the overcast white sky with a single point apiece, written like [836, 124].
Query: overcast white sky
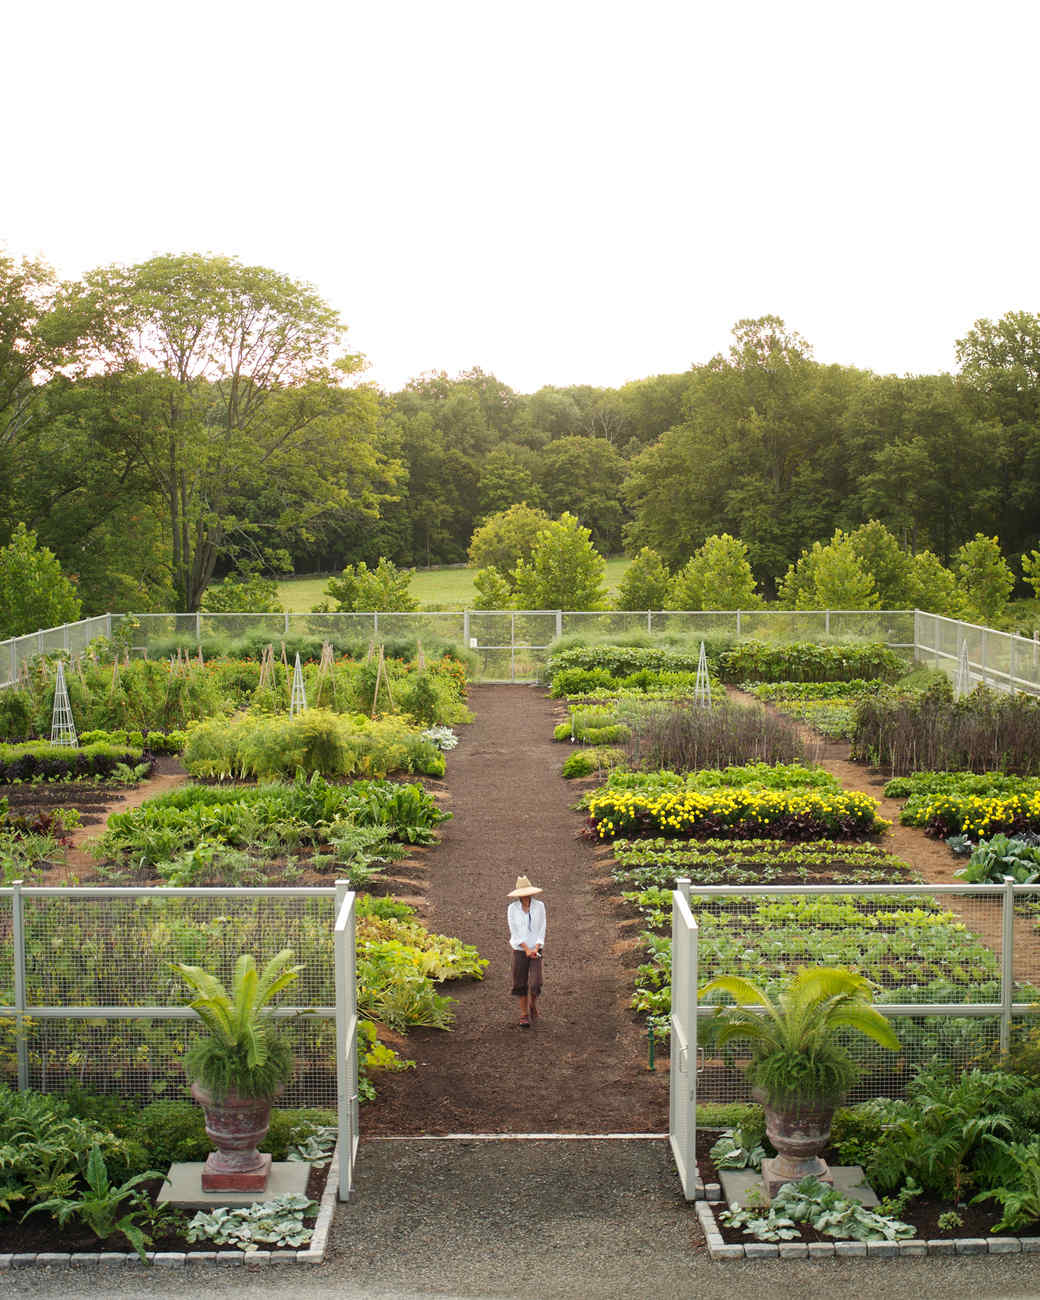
[558, 192]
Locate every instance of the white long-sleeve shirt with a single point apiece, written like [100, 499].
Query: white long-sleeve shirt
[526, 927]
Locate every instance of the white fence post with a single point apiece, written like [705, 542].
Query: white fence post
[1007, 964]
[738, 623]
[682, 1051]
[346, 1036]
[465, 628]
[559, 622]
[18, 940]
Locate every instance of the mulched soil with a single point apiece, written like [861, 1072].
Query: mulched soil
[582, 1069]
[922, 1214]
[39, 1233]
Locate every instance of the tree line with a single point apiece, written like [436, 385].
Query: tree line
[165, 424]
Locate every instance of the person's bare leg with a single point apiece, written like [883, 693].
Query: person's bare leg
[525, 1008]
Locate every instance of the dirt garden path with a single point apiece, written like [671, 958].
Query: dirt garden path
[583, 1068]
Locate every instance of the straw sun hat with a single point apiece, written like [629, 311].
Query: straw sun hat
[524, 889]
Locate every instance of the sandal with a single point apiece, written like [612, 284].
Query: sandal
[525, 1023]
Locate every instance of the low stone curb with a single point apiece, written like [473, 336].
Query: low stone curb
[314, 1254]
[721, 1250]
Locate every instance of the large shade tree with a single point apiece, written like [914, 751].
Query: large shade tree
[230, 381]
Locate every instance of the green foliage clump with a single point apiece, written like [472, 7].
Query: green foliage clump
[952, 1133]
[717, 576]
[384, 588]
[34, 593]
[242, 593]
[645, 583]
[565, 570]
[797, 1057]
[586, 762]
[142, 696]
[316, 740]
[493, 589]
[619, 660]
[505, 540]
[758, 661]
[984, 576]
[266, 818]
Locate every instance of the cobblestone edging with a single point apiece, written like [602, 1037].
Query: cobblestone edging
[314, 1254]
[720, 1250]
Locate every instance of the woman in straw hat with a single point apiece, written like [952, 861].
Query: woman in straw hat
[526, 916]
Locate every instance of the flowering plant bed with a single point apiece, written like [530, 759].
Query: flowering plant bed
[742, 813]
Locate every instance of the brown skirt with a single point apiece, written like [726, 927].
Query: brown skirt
[527, 974]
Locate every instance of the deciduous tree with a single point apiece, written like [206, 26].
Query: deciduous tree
[34, 593]
[565, 571]
[984, 576]
[717, 576]
[507, 538]
[229, 380]
[645, 583]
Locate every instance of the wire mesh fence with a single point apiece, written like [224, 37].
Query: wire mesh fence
[1001, 660]
[513, 645]
[89, 977]
[71, 637]
[969, 957]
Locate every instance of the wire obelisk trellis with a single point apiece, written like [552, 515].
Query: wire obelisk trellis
[63, 729]
[962, 684]
[702, 687]
[298, 702]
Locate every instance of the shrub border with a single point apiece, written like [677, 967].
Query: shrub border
[720, 1250]
[314, 1254]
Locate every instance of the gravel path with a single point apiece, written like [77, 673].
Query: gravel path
[568, 1220]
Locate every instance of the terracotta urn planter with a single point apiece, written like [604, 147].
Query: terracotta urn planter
[799, 1134]
[235, 1126]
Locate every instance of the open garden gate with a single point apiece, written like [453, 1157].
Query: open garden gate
[346, 1039]
[682, 1107]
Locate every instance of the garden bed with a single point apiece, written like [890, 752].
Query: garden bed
[89, 798]
[39, 1235]
[922, 1213]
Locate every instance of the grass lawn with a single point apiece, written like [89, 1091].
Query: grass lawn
[444, 588]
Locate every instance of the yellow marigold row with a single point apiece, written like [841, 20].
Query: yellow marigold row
[677, 810]
[979, 814]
